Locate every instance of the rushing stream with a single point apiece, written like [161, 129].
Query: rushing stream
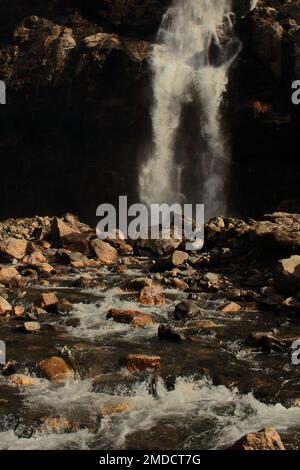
[218, 390]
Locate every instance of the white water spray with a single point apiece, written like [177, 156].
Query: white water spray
[190, 64]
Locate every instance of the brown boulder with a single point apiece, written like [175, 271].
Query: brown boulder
[232, 307]
[56, 369]
[133, 317]
[179, 258]
[9, 276]
[48, 299]
[266, 439]
[22, 380]
[13, 248]
[151, 295]
[5, 306]
[106, 253]
[287, 275]
[35, 258]
[140, 362]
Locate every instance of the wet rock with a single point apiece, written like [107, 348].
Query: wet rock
[22, 380]
[152, 296]
[268, 341]
[116, 407]
[139, 283]
[140, 362]
[73, 322]
[133, 317]
[186, 309]
[123, 316]
[105, 253]
[287, 275]
[169, 333]
[13, 248]
[48, 299]
[56, 369]
[232, 307]
[109, 383]
[266, 439]
[142, 321]
[5, 306]
[202, 324]
[9, 276]
[59, 425]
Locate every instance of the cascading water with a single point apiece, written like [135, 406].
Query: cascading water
[190, 63]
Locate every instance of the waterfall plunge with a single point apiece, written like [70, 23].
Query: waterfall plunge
[194, 52]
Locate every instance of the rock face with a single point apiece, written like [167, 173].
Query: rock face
[266, 439]
[69, 54]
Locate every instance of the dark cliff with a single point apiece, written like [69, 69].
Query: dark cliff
[79, 95]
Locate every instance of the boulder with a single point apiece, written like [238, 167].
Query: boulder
[266, 439]
[59, 425]
[133, 317]
[180, 284]
[48, 299]
[22, 380]
[202, 324]
[178, 258]
[56, 369]
[140, 362]
[105, 253]
[5, 306]
[19, 310]
[287, 275]
[141, 321]
[9, 276]
[139, 283]
[268, 341]
[151, 295]
[169, 333]
[113, 408]
[13, 248]
[35, 258]
[62, 228]
[186, 309]
[30, 327]
[231, 307]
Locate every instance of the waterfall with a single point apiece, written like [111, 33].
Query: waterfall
[194, 51]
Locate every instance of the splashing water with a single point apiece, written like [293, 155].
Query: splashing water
[190, 64]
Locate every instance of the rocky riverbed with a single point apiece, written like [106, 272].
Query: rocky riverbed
[141, 345]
